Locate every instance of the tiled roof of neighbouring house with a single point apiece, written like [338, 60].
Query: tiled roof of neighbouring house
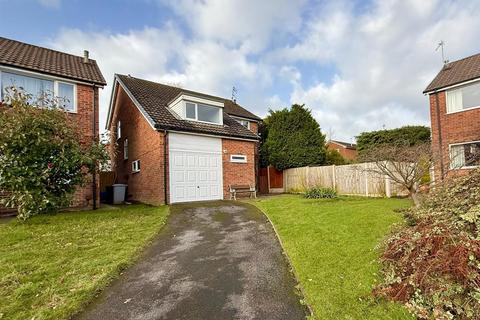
[456, 72]
[154, 98]
[345, 144]
[33, 58]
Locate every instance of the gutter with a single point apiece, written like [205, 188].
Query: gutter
[163, 128]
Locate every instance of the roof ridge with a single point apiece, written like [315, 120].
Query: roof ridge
[170, 86]
[469, 57]
[45, 48]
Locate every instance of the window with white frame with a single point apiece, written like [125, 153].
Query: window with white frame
[125, 149]
[463, 98]
[244, 123]
[465, 155]
[202, 112]
[239, 158]
[136, 166]
[40, 89]
[119, 129]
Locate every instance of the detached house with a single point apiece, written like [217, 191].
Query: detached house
[346, 150]
[176, 145]
[455, 115]
[73, 78]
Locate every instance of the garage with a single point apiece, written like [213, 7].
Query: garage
[195, 166]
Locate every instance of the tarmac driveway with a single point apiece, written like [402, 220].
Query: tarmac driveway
[213, 260]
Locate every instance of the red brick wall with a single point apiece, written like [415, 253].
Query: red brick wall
[84, 120]
[348, 154]
[454, 128]
[144, 144]
[238, 173]
[253, 127]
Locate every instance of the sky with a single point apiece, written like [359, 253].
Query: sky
[358, 65]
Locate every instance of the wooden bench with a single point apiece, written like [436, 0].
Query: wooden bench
[234, 189]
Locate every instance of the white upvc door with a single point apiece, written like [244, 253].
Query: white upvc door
[195, 166]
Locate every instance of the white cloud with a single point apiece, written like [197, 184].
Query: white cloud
[382, 57]
[250, 24]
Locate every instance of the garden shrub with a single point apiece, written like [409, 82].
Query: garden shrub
[320, 193]
[41, 159]
[433, 264]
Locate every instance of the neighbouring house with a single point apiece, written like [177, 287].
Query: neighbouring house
[346, 150]
[75, 79]
[454, 96]
[176, 145]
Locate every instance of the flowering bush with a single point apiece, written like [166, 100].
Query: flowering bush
[433, 265]
[41, 159]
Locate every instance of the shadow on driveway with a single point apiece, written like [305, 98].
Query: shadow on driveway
[213, 260]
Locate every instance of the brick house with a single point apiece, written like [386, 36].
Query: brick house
[454, 96]
[346, 150]
[76, 79]
[176, 145]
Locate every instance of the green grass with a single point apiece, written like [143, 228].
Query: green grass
[332, 244]
[52, 265]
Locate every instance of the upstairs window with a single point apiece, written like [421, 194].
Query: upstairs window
[463, 98]
[465, 155]
[40, 89]
[66, 96]
[244, 123]
[202, 112]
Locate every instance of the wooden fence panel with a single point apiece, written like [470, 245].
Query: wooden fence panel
[353, 179]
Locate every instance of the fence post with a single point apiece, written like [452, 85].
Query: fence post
[366, 183]
[388, 187]
[307, 174]
[334, 178]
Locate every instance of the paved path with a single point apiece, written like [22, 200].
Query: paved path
[217, 260]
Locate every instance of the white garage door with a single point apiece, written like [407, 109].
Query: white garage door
[195, 168]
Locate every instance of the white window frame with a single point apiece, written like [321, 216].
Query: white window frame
[55, 90]
[449, 91]
[135, 166]
[239, 120]
[450, 155]
[248, 123]
[220, 113]
[243, 160]
[125, 149]
[55, 80]
[119, 129]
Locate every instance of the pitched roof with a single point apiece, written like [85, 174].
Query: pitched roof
[154, 98]
[33, 58]
[456, 72]
[345, 144]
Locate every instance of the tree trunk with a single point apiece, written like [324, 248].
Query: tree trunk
[415, 197]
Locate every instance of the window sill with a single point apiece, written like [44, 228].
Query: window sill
[463, 110]
[465, 168]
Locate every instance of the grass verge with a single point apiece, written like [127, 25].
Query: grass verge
[332, 245]
[53, 265]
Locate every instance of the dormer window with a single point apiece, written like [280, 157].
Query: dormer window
[202, 112]
[198, 109]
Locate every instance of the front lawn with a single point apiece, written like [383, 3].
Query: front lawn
[52, 265]
[332, 245]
